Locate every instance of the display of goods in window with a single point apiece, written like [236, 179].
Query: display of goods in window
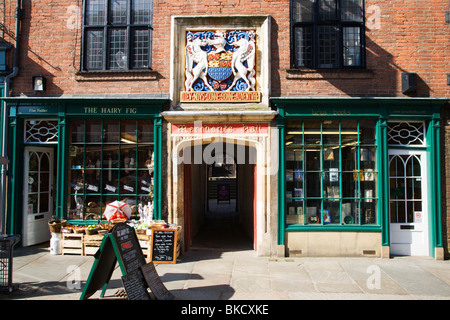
[117, 210]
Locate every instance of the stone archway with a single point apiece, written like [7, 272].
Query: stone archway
[264, 218]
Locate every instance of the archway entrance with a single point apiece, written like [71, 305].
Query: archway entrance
[220, 196]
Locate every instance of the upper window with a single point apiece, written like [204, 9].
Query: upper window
[117, 34]
[327, 34]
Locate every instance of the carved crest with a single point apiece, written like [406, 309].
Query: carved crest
[220, 61]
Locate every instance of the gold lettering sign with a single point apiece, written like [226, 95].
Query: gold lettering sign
[217, 96]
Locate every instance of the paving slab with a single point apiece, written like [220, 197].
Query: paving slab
[205, 274]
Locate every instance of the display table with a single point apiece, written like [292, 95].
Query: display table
[86, 245]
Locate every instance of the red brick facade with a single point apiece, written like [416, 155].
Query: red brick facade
[401, 36]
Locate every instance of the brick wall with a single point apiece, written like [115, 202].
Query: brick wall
[401, 35]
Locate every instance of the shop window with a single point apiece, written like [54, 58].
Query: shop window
[331, 172]
[327, 34]
[110, 160]
[117, 35]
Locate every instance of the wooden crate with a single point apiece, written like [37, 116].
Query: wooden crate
[91, 243]
[72, 243]
[144, 242]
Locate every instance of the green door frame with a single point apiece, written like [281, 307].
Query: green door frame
[63, 110]
[382, 109]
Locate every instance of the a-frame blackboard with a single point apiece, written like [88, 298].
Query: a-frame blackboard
[121, 245]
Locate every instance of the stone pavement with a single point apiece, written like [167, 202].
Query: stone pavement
[218, 274]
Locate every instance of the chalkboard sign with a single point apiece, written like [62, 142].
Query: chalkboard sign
[127, 243]
[135, 286]
[101, 271]
[154, 282]
[164, 245]
[121, 245]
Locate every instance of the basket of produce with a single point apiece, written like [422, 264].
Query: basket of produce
[105, 226]
[91, 229]
[68, 228]
[55, 224]
[79, 229]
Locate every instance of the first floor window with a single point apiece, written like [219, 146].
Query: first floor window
[110, 160]
[327, 34]
[119, 40]
[331, 172]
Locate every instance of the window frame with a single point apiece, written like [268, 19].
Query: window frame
[361, 199]
[106, 28]
[314, 24]
[118, 171]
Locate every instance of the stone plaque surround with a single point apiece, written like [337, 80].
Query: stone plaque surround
[225, 112]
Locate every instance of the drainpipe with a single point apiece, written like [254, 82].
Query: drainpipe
[4, 151]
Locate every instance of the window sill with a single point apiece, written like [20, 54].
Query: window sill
[144, 75]
[352, 227]
[325, 74]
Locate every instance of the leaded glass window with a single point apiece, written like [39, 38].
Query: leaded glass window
[331, 172]
[117, 35]
[327, 34]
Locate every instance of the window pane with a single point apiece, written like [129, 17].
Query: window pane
[331, 212]
[312, 212]
[327, 10]
[118, 53]
[312, 132]
[328, 47]
[118, 13]
[352, 10]
[141, 40]
[349, 132]
[93, 131]
[352, 46]
[303, 10]
[330, 132]
[95, 12]
[94, 50]
[142, 12]
[313, 185]
[303, 47]
[367, 131]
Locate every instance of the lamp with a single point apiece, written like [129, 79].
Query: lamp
[39, 83]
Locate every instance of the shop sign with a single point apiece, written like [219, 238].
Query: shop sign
[220, 128]
[220, 66]
[208, 96]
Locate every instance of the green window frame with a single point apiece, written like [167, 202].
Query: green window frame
[110, 159]
[331, 172]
